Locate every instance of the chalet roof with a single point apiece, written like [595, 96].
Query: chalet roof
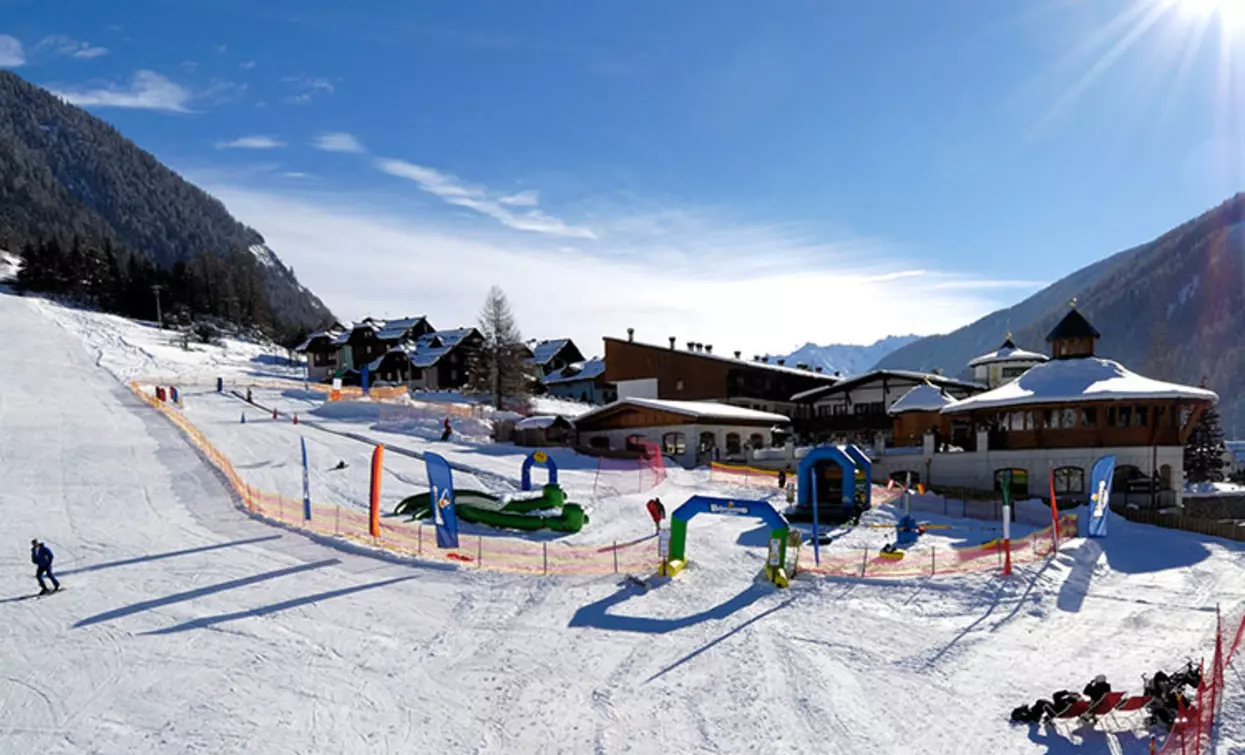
[926, 397]
[587, 370]
[325, 334]
[395, 329]
[1073, 325]
[700, 410]
[740, 362]
[856, 381]
[1008, 352]
[432, 346]
[1077, 380]
[367, 324]
[547, 350]
[542, 422]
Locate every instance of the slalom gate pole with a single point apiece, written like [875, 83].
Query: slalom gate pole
[1054, 511]
[1007, 540]
[378, 456]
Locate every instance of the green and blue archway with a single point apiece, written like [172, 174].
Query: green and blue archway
[775, 563]
[544, 460]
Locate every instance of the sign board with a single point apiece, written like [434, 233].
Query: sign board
[663, 543]
[775, 552]
[728, 508]
[540, 457]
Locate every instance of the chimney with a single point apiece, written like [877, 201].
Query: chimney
[691, 345]
[781, 362]
[817, 370]
[737, 353]
[801, 366]
[630, 334]
[838, 373]
[700, 347]
[708, 348]
[672, 343]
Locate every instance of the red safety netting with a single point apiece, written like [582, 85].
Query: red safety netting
[1192, 733]
[629, 476]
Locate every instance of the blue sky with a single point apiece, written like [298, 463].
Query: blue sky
[752, 175]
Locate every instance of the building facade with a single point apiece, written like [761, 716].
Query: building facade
[1004, 364]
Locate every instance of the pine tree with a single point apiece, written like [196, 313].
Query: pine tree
[499, 366]
[1204, 451]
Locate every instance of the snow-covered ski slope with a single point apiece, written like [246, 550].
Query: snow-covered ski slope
[188, 627]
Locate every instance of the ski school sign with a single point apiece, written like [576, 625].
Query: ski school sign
[731, 508]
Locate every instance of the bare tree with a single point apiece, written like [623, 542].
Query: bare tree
[500, 366]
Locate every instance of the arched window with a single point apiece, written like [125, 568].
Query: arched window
[1019, 481]
[674, 444]
[1123, 474]
[756, 440]
[733, 444]
[707, 442]
[1069, 480]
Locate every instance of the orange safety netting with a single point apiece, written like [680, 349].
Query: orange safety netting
[414, 538]
[743, 475]
[1192, 733]
[873, 563]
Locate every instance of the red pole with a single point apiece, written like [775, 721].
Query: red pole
[377, 457]
[1054, 512]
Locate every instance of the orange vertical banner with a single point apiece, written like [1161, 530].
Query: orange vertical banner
[377, 456]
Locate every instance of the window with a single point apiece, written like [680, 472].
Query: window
[1052, 418]
[1069, 480]
[1089, 418]
[756, 440]
[636, 442]
[678, 386]
[1123, 416]
[877, 407]
[733, 443]
[707, 442]
[900, 476]
[1141, 416]
[839, 410]
[1014, 372]
[860, 409]
[1068, 417]
[674, 444]
[600, 442]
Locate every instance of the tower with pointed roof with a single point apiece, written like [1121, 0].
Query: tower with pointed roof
[1004, 364]
[1074, 337]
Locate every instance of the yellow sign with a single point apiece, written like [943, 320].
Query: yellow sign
[540, 457]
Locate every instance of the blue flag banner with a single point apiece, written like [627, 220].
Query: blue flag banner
[306, 484]
[441, 480]
[1100, 495]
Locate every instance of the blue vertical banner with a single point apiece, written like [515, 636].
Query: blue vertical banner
[1100, 495]
[306, 484]
[363, 377]
[441, 480]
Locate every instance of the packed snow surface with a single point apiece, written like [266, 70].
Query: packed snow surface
[188, 627]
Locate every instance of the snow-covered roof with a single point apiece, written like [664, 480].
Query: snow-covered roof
[313, 336]
[1008, 352]
[855, 381]
[924, 398]
[589, 370]
[395, 329]
[694, 409]
[432, 346]
[538, 423]
[546, 350]
[1086, 379]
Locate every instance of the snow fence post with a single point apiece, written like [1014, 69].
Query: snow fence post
[864, 561]
[615, 556]
[337, 520]
[933, 561]
[545, 544]
[419, 539]
[479, 551]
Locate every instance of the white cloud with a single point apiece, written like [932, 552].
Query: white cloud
[147, 90]
[529, 198]
[297, 174]
[247, 65]
[455, 192]
[338, 141]
[664, 280]
[251, 142]
[60, 44]
[11, 53]
[307, 88]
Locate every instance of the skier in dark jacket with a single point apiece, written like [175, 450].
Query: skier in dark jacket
[445, 433]
[41, 557]
[1097, 689]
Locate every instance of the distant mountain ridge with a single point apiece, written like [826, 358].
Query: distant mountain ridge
[1171, 309]
[848, 359]
[66, 173]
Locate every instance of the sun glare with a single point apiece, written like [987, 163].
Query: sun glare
[1230, 13]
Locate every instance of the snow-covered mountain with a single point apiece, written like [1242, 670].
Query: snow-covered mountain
[849, 359]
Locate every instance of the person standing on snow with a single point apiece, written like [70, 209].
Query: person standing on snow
[41, 557]
[445, 434]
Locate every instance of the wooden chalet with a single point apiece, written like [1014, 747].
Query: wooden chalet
[444, 357]
[553, 355]
[582, 381]
[698, 374]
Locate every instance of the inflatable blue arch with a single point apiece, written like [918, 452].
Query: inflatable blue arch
[761, 509]
[849, 459]
[543, 459]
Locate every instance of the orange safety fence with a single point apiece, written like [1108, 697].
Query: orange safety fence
[415, 539]
[743, 475]
[916, 562]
